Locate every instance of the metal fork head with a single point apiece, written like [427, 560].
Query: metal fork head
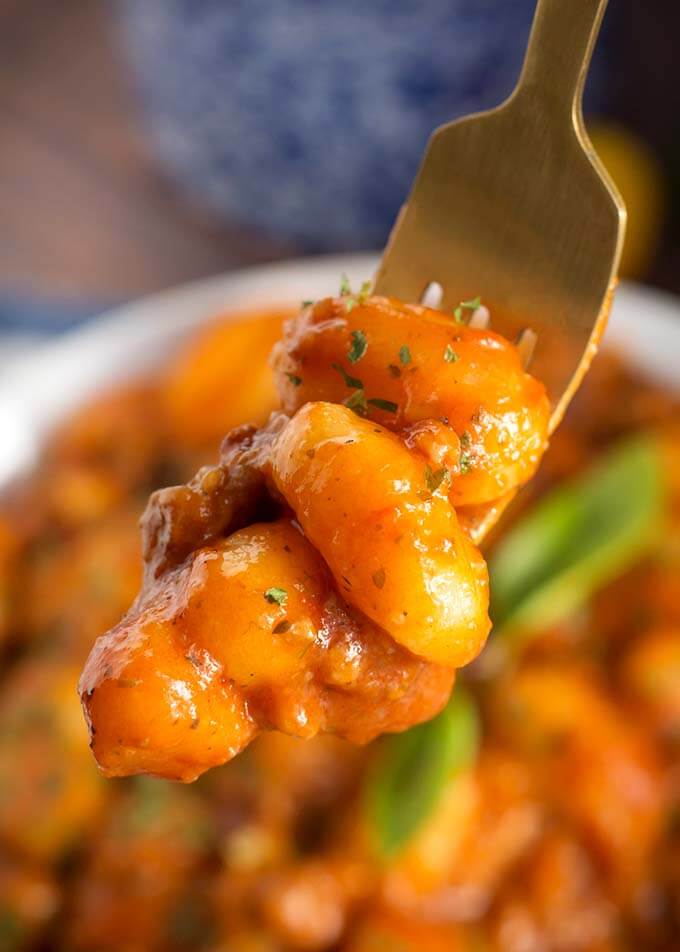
[514, 206]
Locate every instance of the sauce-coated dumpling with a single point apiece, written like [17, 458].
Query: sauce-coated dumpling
[423, 366]
[318, 579]
[392, 543]
[217, 653]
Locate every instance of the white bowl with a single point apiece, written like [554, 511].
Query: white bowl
[36, 390]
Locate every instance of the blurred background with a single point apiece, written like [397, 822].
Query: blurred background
[150, 142]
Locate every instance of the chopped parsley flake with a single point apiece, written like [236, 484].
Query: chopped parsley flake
[386, 405]
[465, 459]
[435, 478]
[307, 303]
[276, 596]
[404, 355]
[294, 379]
[358, 348]
[349, 380]
[470, 305]
[450, 356]
[357, 402]
[352, 300]
[364, 292]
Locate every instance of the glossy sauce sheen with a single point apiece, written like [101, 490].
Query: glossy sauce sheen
[318, 579]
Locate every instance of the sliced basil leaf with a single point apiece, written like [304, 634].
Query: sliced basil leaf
[572, 542]
[411, 770]
[578, 537]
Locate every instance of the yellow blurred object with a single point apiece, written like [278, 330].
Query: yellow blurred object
[639, 178]
[222, 379]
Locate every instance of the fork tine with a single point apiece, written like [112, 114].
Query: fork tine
[432, 295]
[480, 318]
[526, 345]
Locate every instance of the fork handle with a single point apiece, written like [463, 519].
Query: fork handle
[561, 44]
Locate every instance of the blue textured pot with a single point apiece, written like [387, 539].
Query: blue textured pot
[306, 118]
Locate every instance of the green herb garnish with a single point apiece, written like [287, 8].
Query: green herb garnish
[470, 305]
[404, 355]
[434, 478]
[349, 380]
[450, 356]
[276, 596]
[352, 300]
[364, 292]
[307, 303]
[413, 768]
[358, 347]
[357, 402]
[578, 537]
[465, 459]
[387, 405]
[294, 379]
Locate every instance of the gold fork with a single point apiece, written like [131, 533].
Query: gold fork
[514, 205]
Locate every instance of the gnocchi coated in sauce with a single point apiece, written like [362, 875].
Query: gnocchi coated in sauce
[318, 579]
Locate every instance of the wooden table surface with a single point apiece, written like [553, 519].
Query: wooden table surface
[84, 210]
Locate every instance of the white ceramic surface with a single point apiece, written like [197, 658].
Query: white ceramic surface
[37, 389]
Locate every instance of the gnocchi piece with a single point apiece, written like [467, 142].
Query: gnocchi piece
[410, 364]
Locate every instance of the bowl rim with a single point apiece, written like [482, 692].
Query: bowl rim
[39, 388]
